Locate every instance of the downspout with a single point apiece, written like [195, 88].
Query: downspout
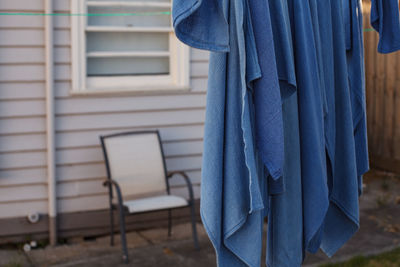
[50, 129]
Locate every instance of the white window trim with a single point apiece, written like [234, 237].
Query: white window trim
[177, 79]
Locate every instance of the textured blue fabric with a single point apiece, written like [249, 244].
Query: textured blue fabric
[326, 61]
[267, 96]
[202, 23]
[285, 222]
[346, 5]
[311, 123]
[385, 19]
[345, 180]
[232, 207]
[342, 219]
[282, 37]
[321, 134]
[356, 74]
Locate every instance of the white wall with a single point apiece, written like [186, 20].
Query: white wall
[79, 119]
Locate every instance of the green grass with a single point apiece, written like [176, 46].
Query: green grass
[388, 259]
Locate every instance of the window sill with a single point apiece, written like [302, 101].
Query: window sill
[153, 90]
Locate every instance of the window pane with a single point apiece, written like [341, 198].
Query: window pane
[144, 17]
[127, 41]
[124, 30]
[127, 66]
[159, 1]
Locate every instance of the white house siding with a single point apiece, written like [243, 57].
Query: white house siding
[79, 120]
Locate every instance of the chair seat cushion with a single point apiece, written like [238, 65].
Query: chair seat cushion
[155, 203]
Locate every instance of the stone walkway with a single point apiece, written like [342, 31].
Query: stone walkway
[379, 232]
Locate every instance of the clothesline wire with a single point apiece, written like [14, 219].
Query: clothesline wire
[101, 15]
[88, 14]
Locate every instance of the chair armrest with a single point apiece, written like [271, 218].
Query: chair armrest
[110, 183]
[187, 180]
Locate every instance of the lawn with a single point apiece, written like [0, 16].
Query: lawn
[388, 259]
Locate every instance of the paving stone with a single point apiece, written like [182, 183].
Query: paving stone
[65, 253]
[179, 232]
[174, 253]
[134, 240]
[380, 231]
[13, 258]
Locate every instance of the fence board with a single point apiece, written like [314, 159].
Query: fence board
[383, 101]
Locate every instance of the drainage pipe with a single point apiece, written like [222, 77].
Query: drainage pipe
[50, 118]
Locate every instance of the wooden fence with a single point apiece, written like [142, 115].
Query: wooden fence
[383, 102]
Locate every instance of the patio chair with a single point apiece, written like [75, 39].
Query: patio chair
[137, 177]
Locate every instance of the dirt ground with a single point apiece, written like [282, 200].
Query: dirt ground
[379, 232]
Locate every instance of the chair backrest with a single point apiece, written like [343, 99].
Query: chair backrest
[136, 161]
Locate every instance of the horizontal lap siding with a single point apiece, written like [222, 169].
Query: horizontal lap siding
[79, 120]
[23, 185]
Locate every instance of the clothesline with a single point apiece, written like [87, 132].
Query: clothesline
[88, 14]
[101, 15]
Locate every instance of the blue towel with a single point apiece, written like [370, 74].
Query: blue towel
[245, 128]
[267, 95]
[232, 207]
[285, 222]
[311, 122]
[350, 160]
[202, 23]
[282, 38]
[356, 74]
[342, 219]
[386, 21]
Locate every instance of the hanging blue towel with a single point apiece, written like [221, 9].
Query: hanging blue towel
[385, 19]
[232, 205]
[347, 18]
[351, 153]
[356, 74]
[342, 219]
[267, 95]
[311, 123]
[202, 23]
[329, 144]
[285, 221]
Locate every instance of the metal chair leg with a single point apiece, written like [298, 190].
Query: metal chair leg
[194, 228]
[111, 226]
[125, 257]
[169, 222]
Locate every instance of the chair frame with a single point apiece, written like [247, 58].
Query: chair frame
[122, 210]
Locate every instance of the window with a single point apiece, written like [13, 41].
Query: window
[126, 45]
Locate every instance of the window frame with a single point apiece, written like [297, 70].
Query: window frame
[179, 64]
